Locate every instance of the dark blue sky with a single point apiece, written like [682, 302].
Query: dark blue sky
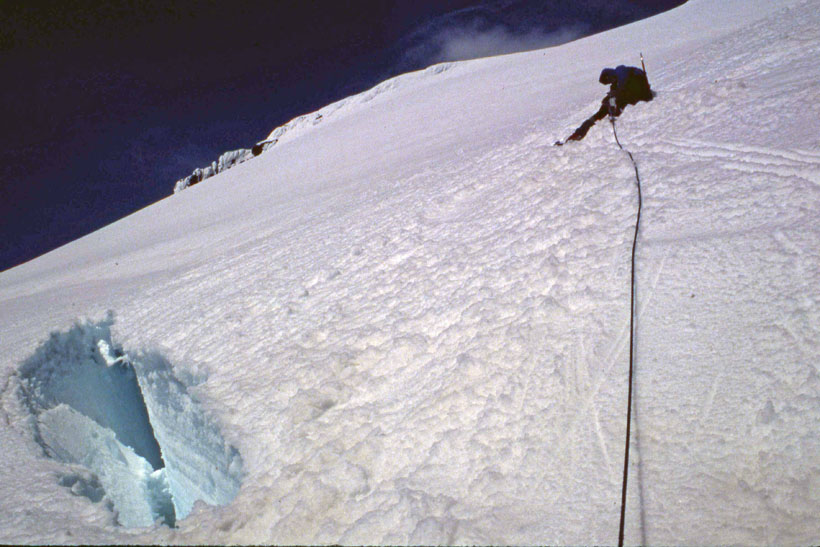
[105, 106]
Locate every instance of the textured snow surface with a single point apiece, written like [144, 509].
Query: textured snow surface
[413, 315]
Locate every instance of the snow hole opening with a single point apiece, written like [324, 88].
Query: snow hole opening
[134, 436]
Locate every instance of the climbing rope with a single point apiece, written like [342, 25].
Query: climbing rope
[631, 337]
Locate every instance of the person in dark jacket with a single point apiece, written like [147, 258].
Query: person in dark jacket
[627, 85]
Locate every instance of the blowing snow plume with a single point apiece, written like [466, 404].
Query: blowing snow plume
[473, 42]
[144, 442]
[463, 36]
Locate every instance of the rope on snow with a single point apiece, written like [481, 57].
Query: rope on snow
[631, 338]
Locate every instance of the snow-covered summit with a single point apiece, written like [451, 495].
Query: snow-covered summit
[411, 319]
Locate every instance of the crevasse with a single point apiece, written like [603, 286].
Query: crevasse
[130, 422]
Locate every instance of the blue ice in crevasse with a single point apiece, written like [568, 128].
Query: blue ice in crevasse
[130, 422]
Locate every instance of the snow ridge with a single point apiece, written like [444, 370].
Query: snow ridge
[299, 125]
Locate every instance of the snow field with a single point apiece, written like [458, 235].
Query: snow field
[414, 317]
[436, 371]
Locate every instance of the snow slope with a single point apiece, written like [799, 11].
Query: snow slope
[411, 319]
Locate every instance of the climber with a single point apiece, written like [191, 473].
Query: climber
[628, 85]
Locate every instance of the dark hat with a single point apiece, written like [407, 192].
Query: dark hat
[608, 76]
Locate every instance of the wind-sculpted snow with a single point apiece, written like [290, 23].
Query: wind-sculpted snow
[414, 318]
[299, 125]
[225, 161]
[143, 442]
